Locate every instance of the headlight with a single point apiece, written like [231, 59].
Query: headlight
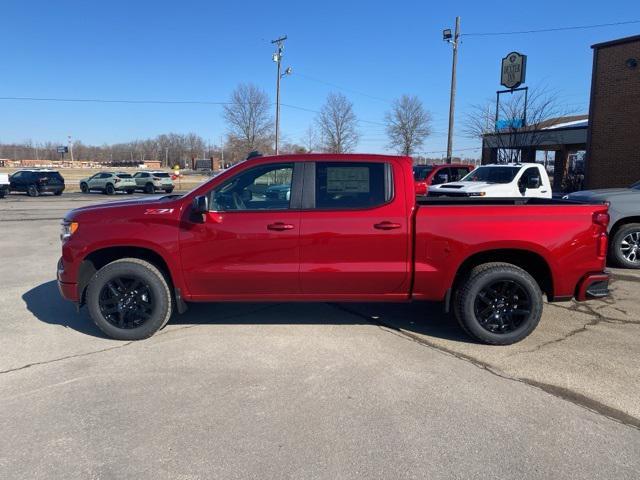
[68, 229]
[476, 194]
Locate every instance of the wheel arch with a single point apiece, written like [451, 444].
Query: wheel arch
[531, 262]
[97, 259]
[621, 223]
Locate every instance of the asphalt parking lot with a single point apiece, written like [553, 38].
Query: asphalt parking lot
[305, 391]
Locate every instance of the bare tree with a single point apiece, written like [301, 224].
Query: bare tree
[310, 139]
[408, 124]
[248, 117]
[338, 125]
[518, 129]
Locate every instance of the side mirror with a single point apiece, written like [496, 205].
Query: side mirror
[534, 182]
[200, 204]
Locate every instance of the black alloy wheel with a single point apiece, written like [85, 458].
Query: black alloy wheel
[126, 302]
[502, 306]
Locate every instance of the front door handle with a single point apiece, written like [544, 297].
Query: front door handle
[386, 225]
[279, 226]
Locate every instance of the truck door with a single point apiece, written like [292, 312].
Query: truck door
[247, 246]
[354, 230]
[531, 183]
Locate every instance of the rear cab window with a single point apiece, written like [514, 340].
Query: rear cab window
[352, 185]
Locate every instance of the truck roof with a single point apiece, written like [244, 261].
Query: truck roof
[334, 157]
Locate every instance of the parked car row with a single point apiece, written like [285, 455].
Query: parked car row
[35, 182]
[112, 182]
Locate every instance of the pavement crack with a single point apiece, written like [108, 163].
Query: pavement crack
[126, 344]
[565, 394]
[66, 357]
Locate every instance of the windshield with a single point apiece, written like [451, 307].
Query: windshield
[492, 174]
[420, 173]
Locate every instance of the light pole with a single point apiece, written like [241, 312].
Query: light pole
[277, 57]
[446, 36]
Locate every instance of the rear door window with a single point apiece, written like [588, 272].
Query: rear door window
[123, 175]
[349, 185]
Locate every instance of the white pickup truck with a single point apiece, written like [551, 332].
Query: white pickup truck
[503, 180]
[4, 184]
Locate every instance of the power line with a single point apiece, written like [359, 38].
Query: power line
[342, 88]
[316, 111]
[544, 30]
[101, 100]
[158, 102]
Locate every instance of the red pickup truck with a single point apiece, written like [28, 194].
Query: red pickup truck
[326, 227]
[427, 175]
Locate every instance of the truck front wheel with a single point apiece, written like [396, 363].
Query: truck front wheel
[498, 303]
[129, 299]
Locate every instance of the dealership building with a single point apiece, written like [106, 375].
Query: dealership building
[610, 134]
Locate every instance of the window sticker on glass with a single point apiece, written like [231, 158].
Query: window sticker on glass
[347, 179]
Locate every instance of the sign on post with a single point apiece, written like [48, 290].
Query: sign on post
[63, 150]
[513, 71]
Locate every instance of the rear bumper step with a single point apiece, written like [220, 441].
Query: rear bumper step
[593, 285]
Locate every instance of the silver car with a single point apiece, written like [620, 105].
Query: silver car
[109, 183]
[624, 228]
[150, 182]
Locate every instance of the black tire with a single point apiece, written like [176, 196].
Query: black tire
[32, 190]
[109, 189]
[149, 188]
[57, 193]
[624, 250]
[129, 192]
[498, 303]
[84, 188]
[3, 192]
[168, 190]
[120, 320]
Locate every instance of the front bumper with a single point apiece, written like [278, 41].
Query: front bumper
[593, 285]
[69, 291]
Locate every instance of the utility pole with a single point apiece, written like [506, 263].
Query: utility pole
[70, 147]
[277, 57]
[446, 36]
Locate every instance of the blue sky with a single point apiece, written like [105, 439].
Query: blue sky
[197, 50]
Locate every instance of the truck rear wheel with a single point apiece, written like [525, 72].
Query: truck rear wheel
[498, 303]
[129, 299]
[625, 247]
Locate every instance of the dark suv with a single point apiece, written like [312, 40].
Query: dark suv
[35, 182]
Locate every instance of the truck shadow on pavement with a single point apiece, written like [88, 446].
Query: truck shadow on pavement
[424, 318]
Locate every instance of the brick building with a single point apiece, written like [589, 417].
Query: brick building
[613, 140]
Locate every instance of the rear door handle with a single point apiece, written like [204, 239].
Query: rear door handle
[279, 226]
[386, 225]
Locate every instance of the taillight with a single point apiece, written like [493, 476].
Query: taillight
[601, 218]
[603, 244]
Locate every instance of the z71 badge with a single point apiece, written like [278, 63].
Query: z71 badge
[158, 211]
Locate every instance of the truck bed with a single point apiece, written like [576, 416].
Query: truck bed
[467, 201]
